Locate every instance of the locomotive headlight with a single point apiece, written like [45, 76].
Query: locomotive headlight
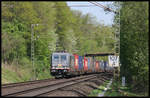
[65, 70]
[53, 67]
[53, 70]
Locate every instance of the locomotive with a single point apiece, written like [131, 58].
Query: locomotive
[65, 64]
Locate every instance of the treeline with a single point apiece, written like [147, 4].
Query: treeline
[134, 21]
[60, 28]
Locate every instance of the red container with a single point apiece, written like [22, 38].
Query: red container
[76, 61]
[97, 66]
[85, 64]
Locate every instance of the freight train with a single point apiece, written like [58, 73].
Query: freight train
[65, 65]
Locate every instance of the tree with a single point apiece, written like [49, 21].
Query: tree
[134, 43]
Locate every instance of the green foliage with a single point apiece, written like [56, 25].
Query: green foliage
[13, 74]
[60, 28]
[134, 43]
[116, 89]
[24, 61]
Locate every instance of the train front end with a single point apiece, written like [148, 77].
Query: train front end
[60, 64]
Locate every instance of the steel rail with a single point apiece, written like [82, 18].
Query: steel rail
[25, 83]
[37, 88]
[77, 81]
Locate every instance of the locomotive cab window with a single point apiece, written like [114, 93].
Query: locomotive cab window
[63, 58]
[56, 57]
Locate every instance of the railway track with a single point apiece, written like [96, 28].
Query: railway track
[25, 83]
[39, 88]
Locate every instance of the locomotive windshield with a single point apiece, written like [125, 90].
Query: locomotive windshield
[63, 58]
[56, 58]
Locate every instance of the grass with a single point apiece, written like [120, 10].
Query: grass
[14, 74]
[116, 89]
[99, 90]
[44, 75]
[9, 76]
[113, 91]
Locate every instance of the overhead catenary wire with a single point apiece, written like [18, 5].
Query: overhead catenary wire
[76, 6]
[96, 4]
[102, 6]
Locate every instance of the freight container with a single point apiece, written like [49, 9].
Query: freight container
[76, 62]
[72, 69]
[85, 64]
[112, 69]
[96, 66]
[105, 66]
[91, 68]
[80, 63]
[102, 65]
[88, 64]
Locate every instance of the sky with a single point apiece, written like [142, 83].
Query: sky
[96, 11]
